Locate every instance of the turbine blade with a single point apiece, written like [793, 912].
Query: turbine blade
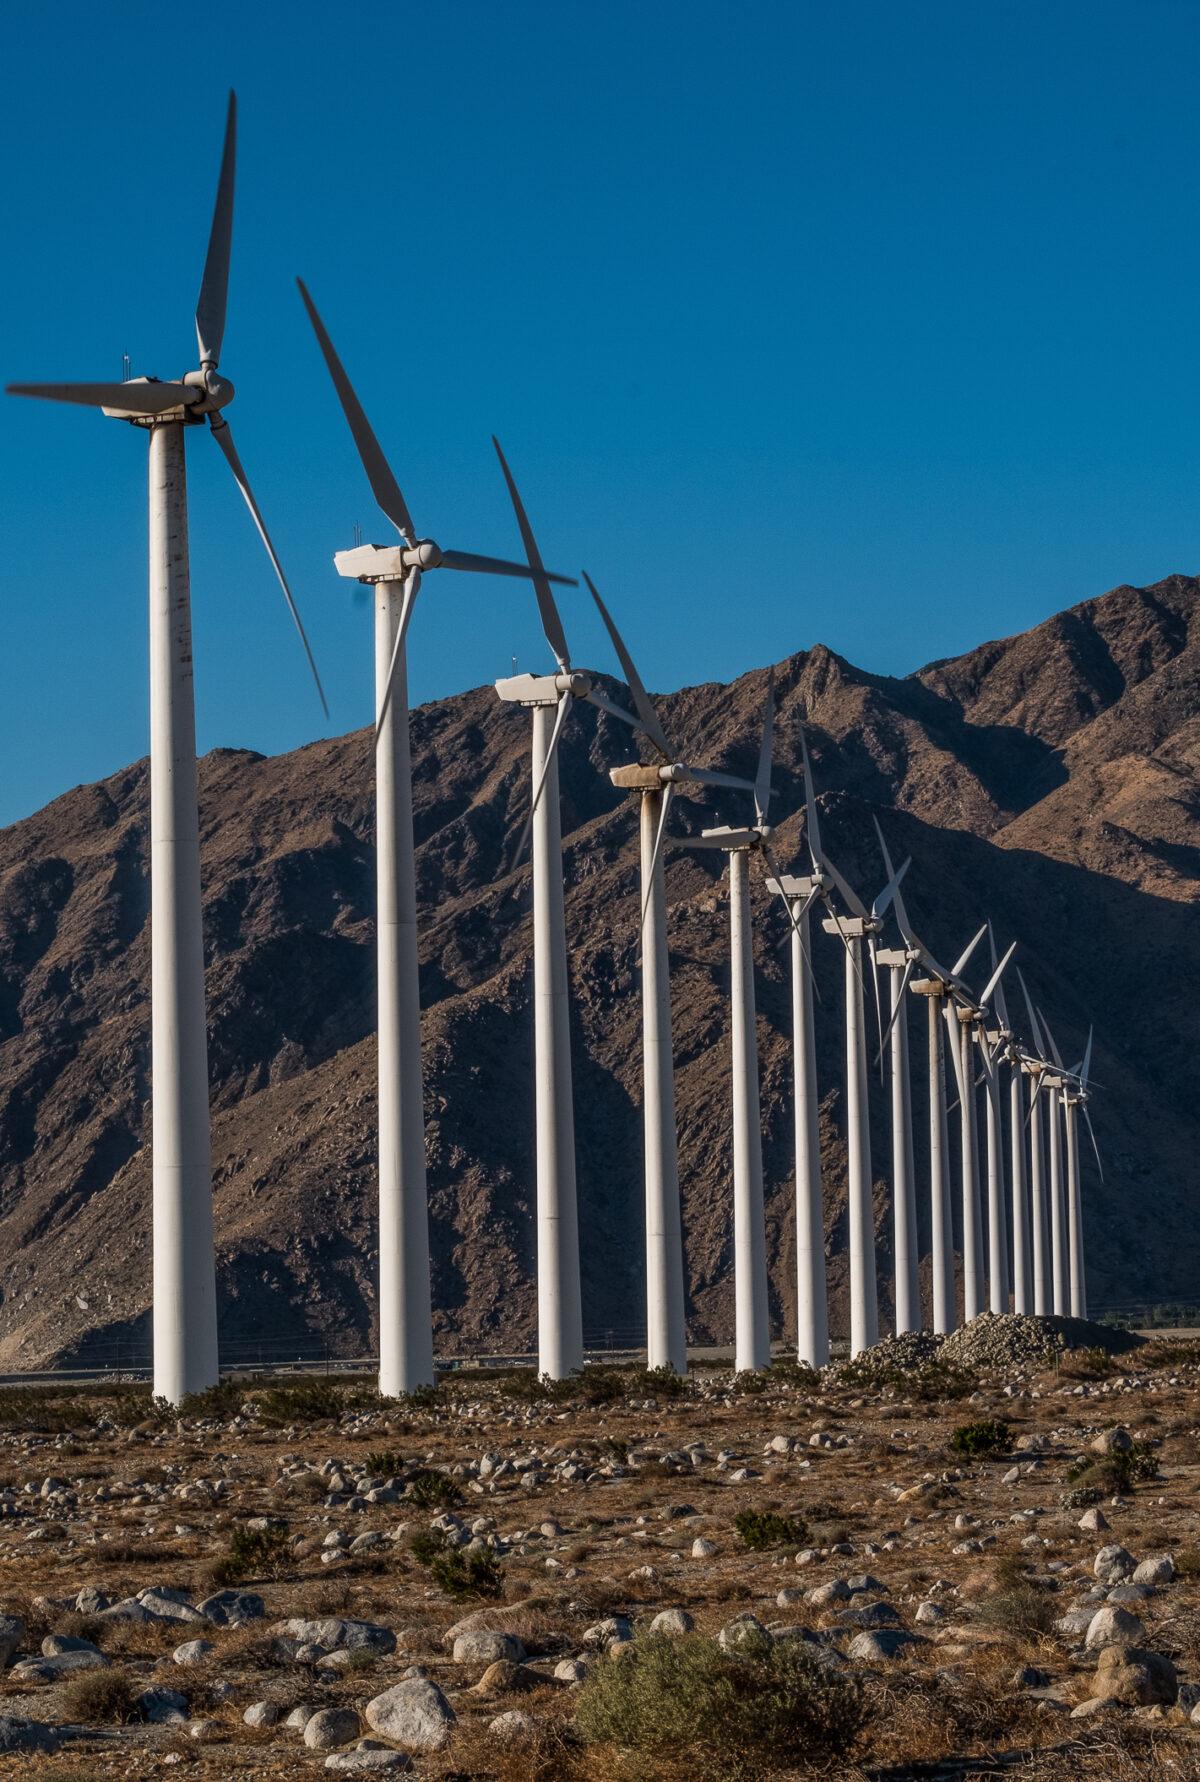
[214, 286]
[812, 826]
[965, 955]
[703, 777]
[880, 905]
[551, 623]
[595, 697]
[137, 397]
[412, 585]
[651, 722]
[994, 980]
[1001, 1005]
[559, 718]
[384, 486]
[1092, 1135]
[901, 912]
[497, 566]
[762, 777]
[854, 902]
[899, 1004]
[1087, 1060]
[654, 854]
[224, 438]
[1035, 1030]
[1054, 1051]
[700, 841]
[872, 950]
[773, 864]
[954, 1048]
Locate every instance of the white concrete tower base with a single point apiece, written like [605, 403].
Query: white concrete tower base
[941, 1220]
[1074, 1211]
[972, 1216]
[1043, 1298]
[904, 1192]
[185, 1293]
[666, 1333]
[997, 1215]
[864, 1308]
[752, 1336]
[1021, 1260]
[812, 1310]
[405, 1308]
[1058, 1222]
[560, 1315]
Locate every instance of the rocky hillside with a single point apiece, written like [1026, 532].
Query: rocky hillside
[1051, 780]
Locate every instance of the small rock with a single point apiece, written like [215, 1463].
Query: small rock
[207, 1732]
[12, 1633]
[330, 1728]
[193, 1652]
[163, 1707]
[506, 1676]
[412, 1713]
[262, 1714]
[882, 1643]
[1113, 1626]
[512, 1727]
[1112, 1441]
[483, 1647]
[570, 1670]
[702, 1549]
[1156, 1568]
[1093, 1521]
[1113, 1564]
[673, 1621]
[368, 1755]
[232, 1608]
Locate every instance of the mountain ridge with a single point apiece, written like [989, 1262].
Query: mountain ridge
[1053, 777]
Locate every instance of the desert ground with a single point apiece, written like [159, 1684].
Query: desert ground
[976, 1556]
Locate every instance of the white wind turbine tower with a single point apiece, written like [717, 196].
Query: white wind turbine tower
[900, 962]
[994, 1047]
[799, 893]
[940, 988]
[853, 929]
[752, 1308]
[1034, 1066]
[1054, 1083]
[959, 1013]
[1075, 1097]
[394, 573]
[184, 1291]
[549, 698]
[666, 1332]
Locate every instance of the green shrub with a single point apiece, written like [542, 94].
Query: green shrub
[461, 1574]
[761, 1529]
[431, 1489]
[1116, 1474]
[383, 1463]
[252, 1553]
[97, 1698]
[749, 1382]
[309, 1401]
[225, 1399]
[426, 1544]
[1187, 1563]
[754, 1715]
[985, 1440]
[796, 1374]
[1019, 1605]
[663, 1382]
[422, 1398]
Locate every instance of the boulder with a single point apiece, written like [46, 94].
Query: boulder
[1135, 1677]
[330, 1634]
[12, 1632]
[875, 1645]
[745, 1633]
[193, 1652]
[1113, 1626]
[1113, 1564]
[1156, 1568]
[262, 1714]
[163, 1707]
[869, 1615]
[26, 1735]
[1112, 1441]
[367, 1756]
[49, 1670]
[672, 1621]
[602, 1633]
[484, 1647]
[512, 1728]
[505, 1676]
[1093, 1521]
[414, 1713]
[331, 1727]
[231, 1608]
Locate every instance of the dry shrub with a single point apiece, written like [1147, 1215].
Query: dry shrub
[771, 1710]
[97, 1698]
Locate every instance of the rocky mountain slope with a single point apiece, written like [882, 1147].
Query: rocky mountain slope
[1051, 780]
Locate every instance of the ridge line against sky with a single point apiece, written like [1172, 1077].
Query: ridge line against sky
[875, 328]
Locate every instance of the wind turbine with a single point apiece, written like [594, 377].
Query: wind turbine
[993, 1050]
[394, 573]
[959, 1013]
[1035, 1068]
[184, 1284]
[550, 698]
[1075, 1097]
[899, 963]
[1055, 1083]
[940, 988]
[654, 785]
[853, 929]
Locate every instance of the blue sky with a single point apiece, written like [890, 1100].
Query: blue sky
[872, 324]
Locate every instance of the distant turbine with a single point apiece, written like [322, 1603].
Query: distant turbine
[394, 573]
[666, 1331]
[958, 1012]
[184, 1311]
[550, 698]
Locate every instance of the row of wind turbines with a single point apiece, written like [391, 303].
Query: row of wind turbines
[1046, 1270]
